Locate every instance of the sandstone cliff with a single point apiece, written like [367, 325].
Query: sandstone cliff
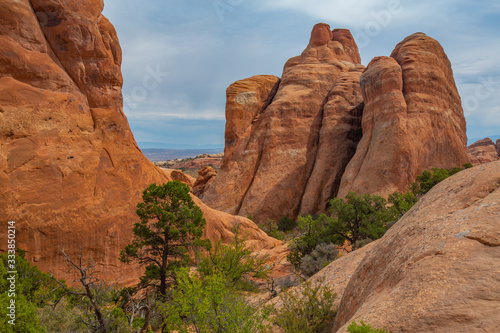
[333, 126]
[71, 173]
[483, 151]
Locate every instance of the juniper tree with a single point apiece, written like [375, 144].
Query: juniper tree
[170, 224]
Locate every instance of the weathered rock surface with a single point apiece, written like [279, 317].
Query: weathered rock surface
[180, 176]
[327, 131]
[71, 173]
[339, 136]
[483, 151]
[412, 120]
[498, 146]
[265, 171]
[436, 270]
[205, 177]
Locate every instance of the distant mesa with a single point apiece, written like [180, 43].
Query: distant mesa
[329, 126]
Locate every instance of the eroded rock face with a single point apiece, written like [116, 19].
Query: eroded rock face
[71, 173]
[334, 126]
[435, 270]
[483, 151]
[265, 173]
[412, 120]
[205, 178]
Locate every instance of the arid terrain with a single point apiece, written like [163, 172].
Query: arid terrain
[71, 173]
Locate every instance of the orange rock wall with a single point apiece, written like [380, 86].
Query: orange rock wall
[71, 173]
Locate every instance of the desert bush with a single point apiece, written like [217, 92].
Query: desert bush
[308, 311]
[314, 231]
[235, 262]
[319, 258]
[363, 328]
[271, 229]
[286, 224]
[205, 304]
[363, 242]
[427, 180]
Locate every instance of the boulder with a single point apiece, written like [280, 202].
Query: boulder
[435, 270]
[205, 177]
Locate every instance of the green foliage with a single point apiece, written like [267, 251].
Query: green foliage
[36, 286]
[207, 304]
[351, 219]
[286, 224]
[363, 328]
[170, 225]
[271, 228]
[358, 217]
[314, 232]
[309, 310]
[32, 288]
[427, 180]
[401, 203]
[233, 261]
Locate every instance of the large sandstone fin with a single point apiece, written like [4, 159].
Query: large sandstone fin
[276, 162]
[413, 121]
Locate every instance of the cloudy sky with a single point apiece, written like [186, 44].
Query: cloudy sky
[179, 56]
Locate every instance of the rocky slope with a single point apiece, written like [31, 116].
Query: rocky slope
[330, 126]
[483, 151]
[71, 173]
[436, 270]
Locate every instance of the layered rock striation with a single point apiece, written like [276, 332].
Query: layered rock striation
[71, 173]
[333, 126]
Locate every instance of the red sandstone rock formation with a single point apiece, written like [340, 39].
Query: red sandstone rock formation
[304, 148]
[339, 136]
[180, 176]
[412, 121]
[206, 177]
[266, 170]
[71, 173]
[483, 151]
[435, 270]
[498, 147]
